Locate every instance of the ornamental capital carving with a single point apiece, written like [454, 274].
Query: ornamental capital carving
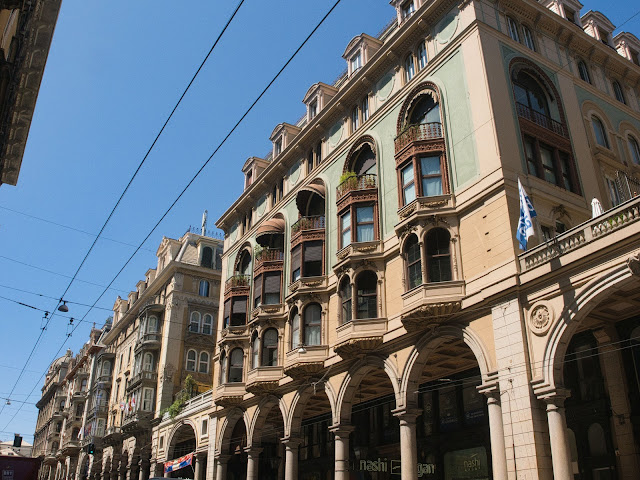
[634, 264]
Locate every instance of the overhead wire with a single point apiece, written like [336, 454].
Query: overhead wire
[204, 165]
[73, 278]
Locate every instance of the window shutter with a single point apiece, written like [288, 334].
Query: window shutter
[295, 258]
[313, 251]
[240, 305]
[272, 282]
[227, 308]
[257, 288]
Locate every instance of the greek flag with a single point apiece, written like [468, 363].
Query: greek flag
[527, 212]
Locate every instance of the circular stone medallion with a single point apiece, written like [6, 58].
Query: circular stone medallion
[540, 318]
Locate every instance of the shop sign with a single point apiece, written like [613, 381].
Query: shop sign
[394, 467]
[7, 474]
[469, 464]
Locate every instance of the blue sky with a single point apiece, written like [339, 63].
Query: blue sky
[114, 72]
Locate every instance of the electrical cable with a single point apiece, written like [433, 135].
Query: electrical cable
[122, 196]
[47, 296]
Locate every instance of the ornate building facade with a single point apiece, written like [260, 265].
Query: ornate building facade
[378, 319]
[27, 29]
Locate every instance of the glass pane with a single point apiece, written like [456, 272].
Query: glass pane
[365, 233]
[364, 214]
[407, 174]
[547, 163]
[295, 330]
[635, 151]
[431, 186]
[415, 275]
[531, 163]
[312, 335]
[598, 130]
[409, 194]
[430, 165]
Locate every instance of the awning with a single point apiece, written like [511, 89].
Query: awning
[305, 194]
[274, 226]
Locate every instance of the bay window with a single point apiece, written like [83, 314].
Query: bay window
[428, 170]
[414, 262]
[366, 286]
[306, 259]
[360, 219]
[312, 324]
[267, 289]
[345, 296]
[270, 348]
[438, 244]
[236, 360]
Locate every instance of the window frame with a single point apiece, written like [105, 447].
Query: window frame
[409, 68]
[203, 288]
[366, 296]
[188, 360]
[269, 352]
[207, 324]
[296, 338]
[351, 228]
[423, 57]
[528, 39]
[417, 262]
[437, 256]
[309, 324]
[205, 362]
[601, 130]
[618, 91]
[416, 162]
[239, 368]
[513, 29]
[583, 71]
[346, 303]
[562, 175]
[197, 323]
[634, 149]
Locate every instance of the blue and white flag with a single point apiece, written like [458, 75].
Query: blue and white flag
[527, 212]
[177, 464]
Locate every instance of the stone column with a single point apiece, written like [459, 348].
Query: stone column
[423, 264]
[341, 433]
[496, 432]
[560, 454]
[408, 443]
[291, 458]
[253, 455]
[144, 467]
[221, 467]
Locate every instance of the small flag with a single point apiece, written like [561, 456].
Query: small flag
[173, 465]
[525, 224]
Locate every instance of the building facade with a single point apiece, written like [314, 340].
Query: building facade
[126, 390]
[27, 29]
[378, 318]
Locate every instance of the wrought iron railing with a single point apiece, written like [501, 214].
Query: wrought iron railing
[269, 255]
[415, 133]
[628, 186]
[542, 120]
[207, 233]
[237, 281]
[308, 223]
[360, 182]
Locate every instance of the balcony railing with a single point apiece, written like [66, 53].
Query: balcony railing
[237, 281]
[269, 255]
[542, 120]
[308, 223]
[140, 376]
[416, 133]
[361, 182]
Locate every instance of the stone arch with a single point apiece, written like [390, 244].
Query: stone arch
[266, 405]
[520, 63]
[424, 88]
[570, 318]
[356, 148]
[426, 346]
[299, 402]
[246, 247]
[175, 429]
[228, 424]
[354, 377]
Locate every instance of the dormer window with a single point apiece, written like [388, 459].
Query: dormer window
[570, 15]
[313, 109]
[407, 9]
[249, 178]
[277, 147]
[603, 36]
[356, 62]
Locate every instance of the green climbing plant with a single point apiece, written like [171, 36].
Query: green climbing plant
[189, 390]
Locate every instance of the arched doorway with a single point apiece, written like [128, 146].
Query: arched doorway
[182, 443]
[237, 466]
[452, 430]
[268, 430]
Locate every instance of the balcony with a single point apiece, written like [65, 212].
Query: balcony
[112, 435]
[267, 311]
[229, 394]
[431, 304]
[262, 380]
[304, 362]
[149, 341]
[237, 285]
[267, 256]
[309, 285]
[104, 379]
[147, 378]
[308, 226]
[418, 133]
[357, 184]
[541, 120]
[617, 225]
[360, 336]
[426, 206]
[358, 250]
[137, 422]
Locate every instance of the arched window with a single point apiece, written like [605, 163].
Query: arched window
[194, 324]
[147, 362]
[597, 440]
[203, 289]
[425, 110]
[365, 162]
[414, 262]
[599, 132]
[223, 367]
[530, 94]
[207, 257]
[255, 350]
[618, 91]
[106, 368]
[236, 359]
[270, 348]
[366, 286]
[312, 324]
[83, 385]
[634, 148]
[409, 68]
[527, 38]
[207, 324]
[345, 295]
[583, 71]
[295, 328]
[191, 360]
[422, 55]
[152, 324]
[438, 243]
[244, 263]
[204, 363]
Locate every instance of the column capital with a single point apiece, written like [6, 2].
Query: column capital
[341, 430]
[408, 415]
[253, 450]
[222, 459]
[291, 442]
[556, 398]
[490, 386]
